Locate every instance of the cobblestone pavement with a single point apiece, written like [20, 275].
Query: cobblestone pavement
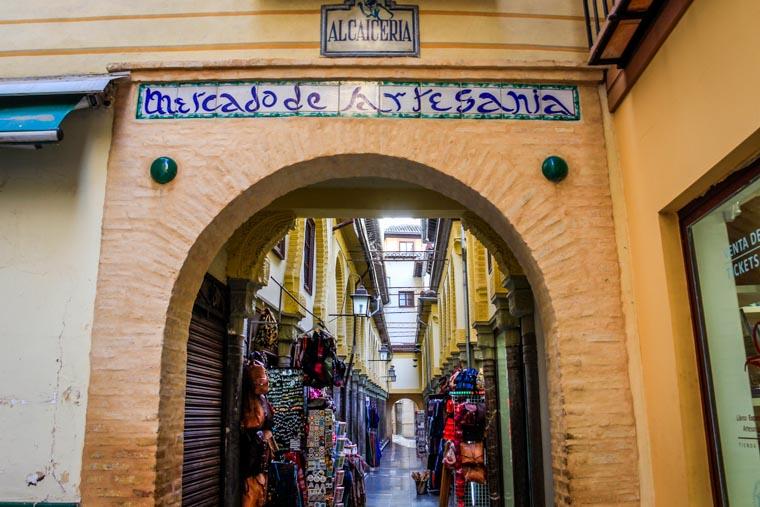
[391, 484]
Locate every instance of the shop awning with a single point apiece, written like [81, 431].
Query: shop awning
[31, 110]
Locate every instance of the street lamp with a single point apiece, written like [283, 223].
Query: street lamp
[391, 374]
[360, 300]
[385, 354]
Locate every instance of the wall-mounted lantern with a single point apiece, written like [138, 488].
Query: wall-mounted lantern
[360, 300]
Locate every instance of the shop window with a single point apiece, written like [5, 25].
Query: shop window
[721, 236]
[308, 256]
[279, 248]
[406, 298]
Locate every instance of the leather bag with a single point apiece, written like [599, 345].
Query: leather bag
[472, 419]
[265, 334]
[449, 455]
[257, 412]
[475, 474]
[255, 491]
[258, 379]
[472, 453]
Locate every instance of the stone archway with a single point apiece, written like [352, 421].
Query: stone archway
[158, 241]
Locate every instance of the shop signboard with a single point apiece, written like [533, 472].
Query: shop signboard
[370, 28]
[478, 101]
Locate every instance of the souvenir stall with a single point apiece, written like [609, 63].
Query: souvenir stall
[293, 451]
[456, 425]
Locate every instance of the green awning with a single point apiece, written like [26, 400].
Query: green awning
[36, 119]
[32, 109]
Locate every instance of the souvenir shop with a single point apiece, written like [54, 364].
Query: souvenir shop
[294, 449]
[456, 428]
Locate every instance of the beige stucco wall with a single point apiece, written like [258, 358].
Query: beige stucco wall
[49, 37]
[407, 376]
[51, 207]
[688, 122]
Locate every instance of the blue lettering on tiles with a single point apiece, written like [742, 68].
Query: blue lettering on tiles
[254, 99]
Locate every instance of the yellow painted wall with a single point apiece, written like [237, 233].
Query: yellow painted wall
[51, 210]
[691, 119]
[49, 37]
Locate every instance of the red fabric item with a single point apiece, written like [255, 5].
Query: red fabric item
[449, 430]
[459, 484]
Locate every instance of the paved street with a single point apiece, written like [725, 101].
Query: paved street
[391, 484]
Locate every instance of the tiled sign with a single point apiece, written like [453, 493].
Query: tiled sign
[370, 99]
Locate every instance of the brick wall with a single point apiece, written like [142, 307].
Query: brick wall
[159, 240]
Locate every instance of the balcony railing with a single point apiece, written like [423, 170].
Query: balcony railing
[615, 28]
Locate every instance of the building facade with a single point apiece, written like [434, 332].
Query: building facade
[102, 262]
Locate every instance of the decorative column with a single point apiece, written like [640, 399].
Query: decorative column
[486, 354]
[509, 325]
[521, 306]
[361, 416]
[242, 294]
[287, 334]
[353, 416]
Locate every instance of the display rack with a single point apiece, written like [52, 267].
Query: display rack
[477, 495]
[420, 433]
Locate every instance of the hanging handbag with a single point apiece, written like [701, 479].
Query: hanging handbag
[472, 419]
[339, 374]
[255, 491]
[452, 384]
[471, 453]
[475, 474]
[257, 412]
[467, 380]
[265, 337]
[257, 451]
[256, 375]
[450, 455]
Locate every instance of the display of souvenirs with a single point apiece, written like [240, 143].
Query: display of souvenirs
[456, 423]
[319, 463]
[315, 354]
[286, 395]
[265, 332]
[419, 433]
[293, 452]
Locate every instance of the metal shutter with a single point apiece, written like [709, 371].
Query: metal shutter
[202, 471]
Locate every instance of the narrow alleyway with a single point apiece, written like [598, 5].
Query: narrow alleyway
[391, 484]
